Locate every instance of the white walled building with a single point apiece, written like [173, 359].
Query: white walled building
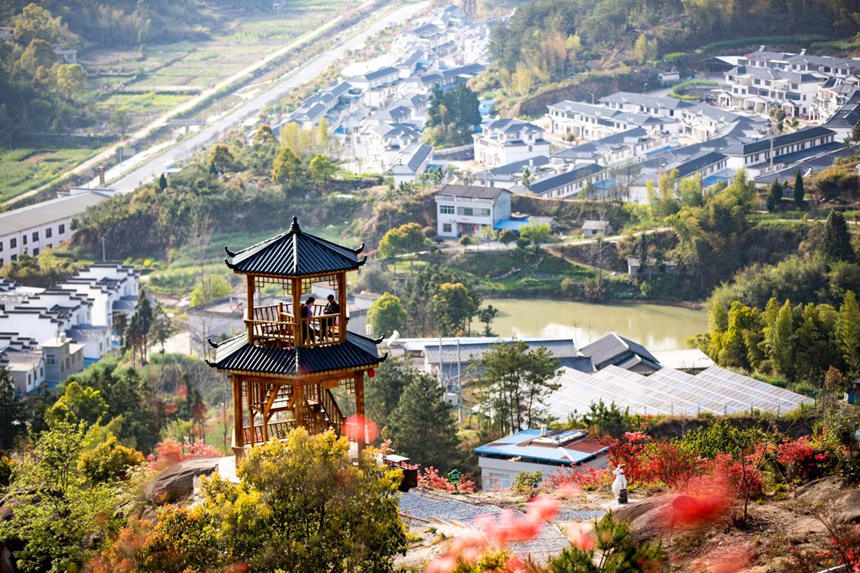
[42, 226]
[466, 209]
[505, 141]
[107, 284]
[549, 453]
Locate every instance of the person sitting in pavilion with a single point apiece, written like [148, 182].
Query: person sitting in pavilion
[307, 312]
[327, 324]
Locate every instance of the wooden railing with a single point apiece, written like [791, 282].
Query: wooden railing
[332, 410]
[276, 325]
[277, 430]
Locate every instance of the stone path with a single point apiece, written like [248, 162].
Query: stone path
[428, 509]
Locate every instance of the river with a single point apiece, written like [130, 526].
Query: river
[657, 327]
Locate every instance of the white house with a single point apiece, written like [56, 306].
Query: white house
[43, 225]
[466, 209]
[755, 156]
[23, 360]
[547, 452]
[505, 141]
[111, 286]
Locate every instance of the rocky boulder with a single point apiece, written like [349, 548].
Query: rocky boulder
[647, 518]
[831, 493]
[177, 481]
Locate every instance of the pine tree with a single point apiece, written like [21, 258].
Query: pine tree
[848, 331]
[780, 340]
[162, 182]
[774, 198]
[13, 411]
[837, 239]
[421, 426]
[799, 192]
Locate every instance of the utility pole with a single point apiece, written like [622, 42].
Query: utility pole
[459, 386]
[103, 249]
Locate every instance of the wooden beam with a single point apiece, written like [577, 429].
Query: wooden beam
[263, 389]
[359, 408]
[299, 405]
[297, 311]
[341, 296]
[251, 414]
[249, 307]
[238, 438]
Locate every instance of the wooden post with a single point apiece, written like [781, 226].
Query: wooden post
[249, 308]
[359, 409]
[297, 312]
[263, 409]
[341, 300]
[299, 404]
[238, 437]
[253, 438]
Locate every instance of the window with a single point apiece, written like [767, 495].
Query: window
[23, 239]
[48, 232]
[13, 243]
[35, 235]
[446, 227]
[50, 360]
[446, 209]
[35, 252]
[62, 228]
[13, 258]
[1, 246]
[467, 211]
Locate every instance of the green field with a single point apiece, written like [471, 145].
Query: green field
[24, 169]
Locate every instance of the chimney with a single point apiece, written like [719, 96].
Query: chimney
[101, 176]
[803, 52]
[543, 430]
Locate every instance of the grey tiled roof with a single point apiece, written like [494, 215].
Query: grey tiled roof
[238, 355]
[294, 254]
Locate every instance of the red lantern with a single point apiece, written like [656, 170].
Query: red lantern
[371, 373]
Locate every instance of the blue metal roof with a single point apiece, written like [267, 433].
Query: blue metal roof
[512, 224]
[557, 447]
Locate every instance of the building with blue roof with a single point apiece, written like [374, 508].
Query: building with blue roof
[531, 450]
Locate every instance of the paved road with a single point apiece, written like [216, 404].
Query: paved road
[157, 164]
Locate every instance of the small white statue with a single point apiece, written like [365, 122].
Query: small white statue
[619, 486]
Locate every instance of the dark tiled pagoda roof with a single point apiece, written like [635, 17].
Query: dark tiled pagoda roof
[238, 355]
[294, 254]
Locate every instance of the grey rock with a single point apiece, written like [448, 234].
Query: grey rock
[177, 481]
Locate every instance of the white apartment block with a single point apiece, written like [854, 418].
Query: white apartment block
[44, 225]
[582, 121]
[112, 287]
[467, 209]
[505, 141]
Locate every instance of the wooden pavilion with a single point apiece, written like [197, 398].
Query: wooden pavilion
[284, 367]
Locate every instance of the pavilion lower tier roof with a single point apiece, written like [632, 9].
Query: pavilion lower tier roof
[238, 355]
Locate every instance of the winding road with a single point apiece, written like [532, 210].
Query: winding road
[123, 180]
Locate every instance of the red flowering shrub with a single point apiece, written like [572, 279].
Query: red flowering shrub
[170, 452]
[581, 478]
[668, 463]
[431, 479]
[628, 451]
[702, 501]
[801, 458]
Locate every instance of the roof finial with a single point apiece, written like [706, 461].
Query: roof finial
[294, 227]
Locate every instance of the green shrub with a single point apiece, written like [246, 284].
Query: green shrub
[108, 462]
[527, 482]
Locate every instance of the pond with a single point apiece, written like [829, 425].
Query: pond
[657, 327]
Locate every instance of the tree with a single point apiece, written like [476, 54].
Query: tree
[120, 121]
[13, 412]
[487, 315]
[209, 288]
[35, 22]
[421, 427]
[836, 244]
[454, 305]
[59, 515]
[264, 135]
[321, 169]
[221, 159]
[287, 167]
[386, 314]
[78, 404]
[404, 239]
[383, 395]
[507, 236]
[774, 198]
[848, 331]
[513, 384]
[799, 192]
[452, 116]
[162, 182]
[535, 234]
[300, 505]
[160, 330]
[38, 55]
[71, 78]
[780, 341]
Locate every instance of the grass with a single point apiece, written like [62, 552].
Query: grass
[23, 169]
[796, 40]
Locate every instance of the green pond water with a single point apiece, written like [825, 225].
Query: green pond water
[655, 326]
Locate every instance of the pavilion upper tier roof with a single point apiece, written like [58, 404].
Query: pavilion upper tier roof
[294, 254]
